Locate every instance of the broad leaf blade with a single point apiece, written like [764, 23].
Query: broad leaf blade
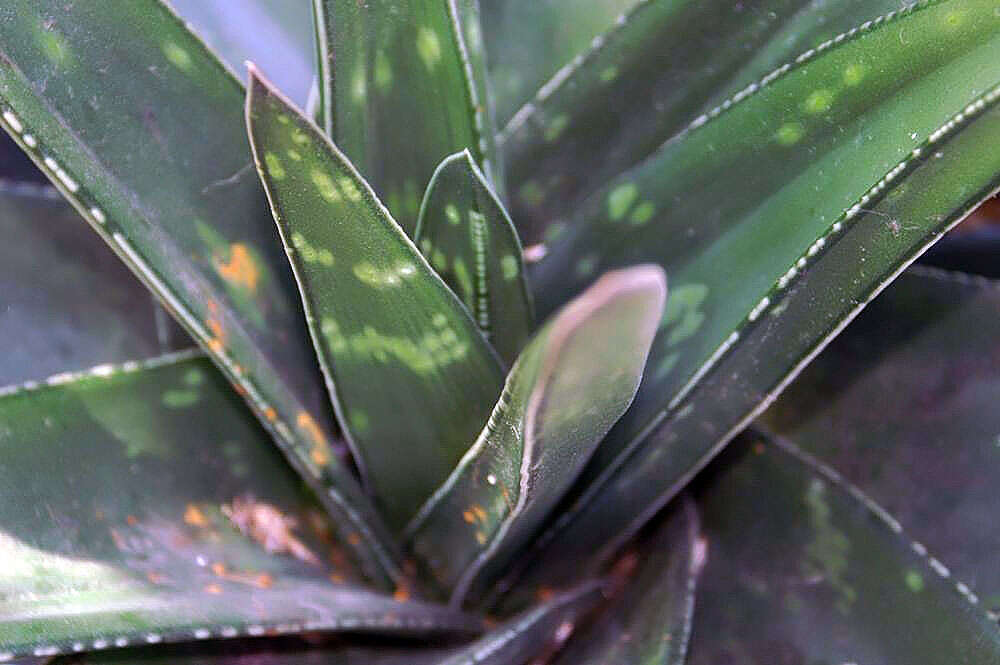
[568, 387]
[800, 563]
[466, 235]
[409, 373]
[649, 618]
[158, 464]
[762, 285]
[903, 404]
[68, 303]
[397, 94]
[141, 129]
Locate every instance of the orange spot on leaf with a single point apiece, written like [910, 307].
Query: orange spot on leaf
[194, 516]
[270, 414]
[213, 588]
[240, 269]
[219, 568]
[131, 520]
[320, 452]
[401, 594]
[354, 539]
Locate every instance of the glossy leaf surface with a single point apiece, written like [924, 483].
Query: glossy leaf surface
[410, 374]
[904, 405]
[173, 518]
[140, 127]
[569, 386]
[466, 235]
[67, 302]
[397, 93]
[649, 619]
[756, 295]
[803, 568]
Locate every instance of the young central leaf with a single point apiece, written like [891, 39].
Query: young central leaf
[411, 377]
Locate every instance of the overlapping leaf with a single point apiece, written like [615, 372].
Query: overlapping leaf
[143, 503]
[68, 303]
[411, 376]
[803, 568]
[568, 387]
[904, 405]
[772, 265]
[397, 92]
[466, 235]
[141, 129]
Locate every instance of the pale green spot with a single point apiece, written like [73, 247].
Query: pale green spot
[179, 399]
[428, 47]
[359, 421]
[411, 198]
[914, 581]
[854, 74]
[683, 312]
[451, 213]
[194, 377]
[324, 184]
[274, 167]
[556, 127]
[789, 133]
[553, 231]
[954, 19]
[359, 86]
[425, 246]
[283, 118]
[621, 199]
[53, 45]
[464, 280]
[509, 267]
[827, 553]
[298, 136]
[531, 193]
[294, 155]
[664, 367]
[439, 261]
[349, 188]
[384, 277]
[330, 330]
[177, 56]
[818, 101]
[642, 213]
[383, 72]
[585, 266]
[609, 74]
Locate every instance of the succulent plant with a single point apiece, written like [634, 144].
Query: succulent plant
[383, 432]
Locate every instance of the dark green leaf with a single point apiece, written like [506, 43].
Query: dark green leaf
[568, 387]
[904, 404]
[649, 620]
[141, 129]
[663, 64]
[411, 377]
[803, 568]
[470, 241]
[397, 93]
[767, 276]
[123, 491]
[68, 303]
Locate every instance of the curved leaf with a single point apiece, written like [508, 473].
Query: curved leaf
[904, 405]
[756, 298]
[398, 94]
[467, 237]
[140, 128]
[406, 366]
[68, 303]
[568, 387]
[143, 503]
[803, 568]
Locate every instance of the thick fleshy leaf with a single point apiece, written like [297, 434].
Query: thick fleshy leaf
[758, 292]
[528, 41]
[663, 64]
[67, 302]
[410, 375]
[803, 568]
[172, 517]
[568, 387]
[397, 92]
[276, 34]
[140, 127]
[465, 233]
[649, 620]
[904, 405]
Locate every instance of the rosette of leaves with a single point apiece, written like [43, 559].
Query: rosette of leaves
[412, 389]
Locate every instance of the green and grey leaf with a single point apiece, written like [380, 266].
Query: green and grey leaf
[568, 387]
[466, 235]
[411, 376]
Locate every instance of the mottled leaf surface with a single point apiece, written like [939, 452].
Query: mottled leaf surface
[411, 376]
[66, 301]
[804, 569]
[660, 66]
[569, 386]
[757, 292]
[172, 517]
[141, 129]
[397, 93]
[649, 619]
[904, 405]
[467, 236]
